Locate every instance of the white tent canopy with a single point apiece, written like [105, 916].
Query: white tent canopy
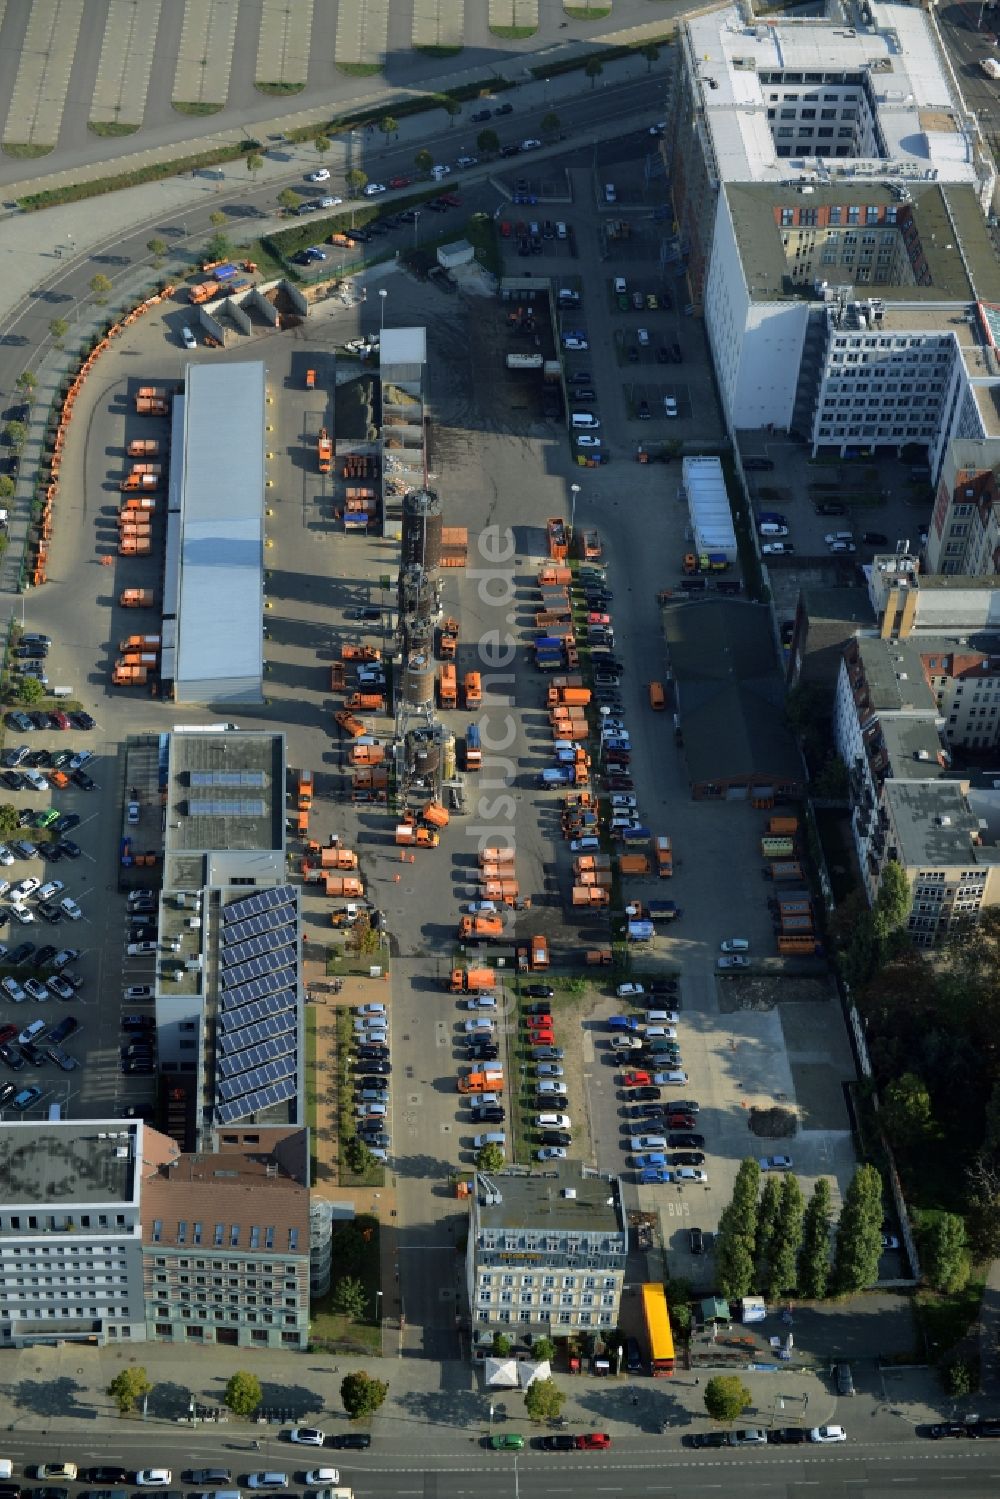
[509, 1374]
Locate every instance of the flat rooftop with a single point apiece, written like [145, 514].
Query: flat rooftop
[225, 791]
[944, 231]
[59, 1164]
[895, 677]
[538, 1201]
[896, 61]
[220, 639]
[934, 824]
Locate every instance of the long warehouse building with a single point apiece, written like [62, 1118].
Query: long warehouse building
[214, 576]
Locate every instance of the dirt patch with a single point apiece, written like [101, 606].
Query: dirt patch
[766, 991]
[773, 1124]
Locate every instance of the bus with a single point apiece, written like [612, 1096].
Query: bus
[658, 1334]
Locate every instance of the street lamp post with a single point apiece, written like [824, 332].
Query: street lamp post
[574, 490]
[416, 225]
[382, 294]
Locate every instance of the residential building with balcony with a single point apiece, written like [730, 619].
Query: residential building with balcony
[546, 1253]
[896, 720]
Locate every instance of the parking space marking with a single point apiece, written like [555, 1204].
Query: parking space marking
[362, 33]
[284, 42]
[39, 94]
[126, 63]
[438, 23]
[520, 13]
[205, 55]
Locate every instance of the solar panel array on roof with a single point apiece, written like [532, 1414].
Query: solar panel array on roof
[258, 1025]
[250, 780]
[217, 807]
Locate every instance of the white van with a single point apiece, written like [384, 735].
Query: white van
[735, 944]
[586, 420]
[553, 1121]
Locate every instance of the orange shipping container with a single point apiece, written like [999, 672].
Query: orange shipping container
[496, 856]
[633, 864]
[366, 754]
[555, 577]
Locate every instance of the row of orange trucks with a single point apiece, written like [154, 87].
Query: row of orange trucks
[139, 660]
[447, 685]
[791, 908]
[333, 867]
[555, 644]
[140, 655]
[366, 757]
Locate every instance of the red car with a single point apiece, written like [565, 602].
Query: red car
[538, 1022]
[542, 1038]
[399, 181]
[680, 1121]
[59, 720]
[636, 1080]
[593, 1441]
[450, 200]
[505, 228]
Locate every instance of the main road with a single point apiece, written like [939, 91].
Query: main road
[461, 1465]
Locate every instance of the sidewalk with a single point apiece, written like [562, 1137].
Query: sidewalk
[428, 1404]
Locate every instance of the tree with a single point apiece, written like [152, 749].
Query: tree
[30, 690]
[906, 1110]
[7, 486]
[254, 163]
[243, 1393]
[550, 123]
[746, 1188]
[218, 247]
[452, 109]
[362, 1395]
[58, 327]
[359, 1157]
[892, 904]
[8, 820]
[487, 143]
[27, 382]
[350, 1298]
[388, 125]
[289, 200]
[347, 1249]
[831, 782]
[859, 1233]
[543, 1400]
[356, 180]
[814, 1256]
[651, 53]
[787, 1240]
[491, 1158]
[593, 70]
[14, 434]
[218, 218]
[945, 1254]
[157, 248]
[100, 286]
[362, 938]
[983, 1215]
[767, 1221]
[733, 1259]
[726, 1397]
[128, 1387]
[423, 161]
[543, 1350]
[321, 144]
[501, 1345]
[959, 1378]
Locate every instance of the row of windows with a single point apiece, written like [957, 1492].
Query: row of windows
[811, 114]
[545, 1298]
[56, 1223]
[26, 1313]
[863, 403]
[568, 1282]
[234, 1267]
[234, 1283]
[222, 1314]
[565, 1319]
[810, 132]
[881, 387]
[847, 432]
[219, 1234]
[165, 1330]
[813, 98]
